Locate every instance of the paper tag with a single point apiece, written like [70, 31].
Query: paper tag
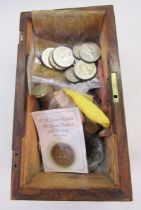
[61, 127]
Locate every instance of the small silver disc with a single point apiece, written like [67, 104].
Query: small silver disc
[85, 71]
[45, 57]
[90, 52]
[52, 62]
[76, 50]
[63, 56]
[70, 76]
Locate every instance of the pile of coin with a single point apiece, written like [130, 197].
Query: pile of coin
[78, 61]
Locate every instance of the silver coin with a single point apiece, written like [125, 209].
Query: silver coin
[45, 57]
[63, 56]
[76, 60]
[70, 76]
[52, 62]
[85, 71]
[90, 52]
[76, 50]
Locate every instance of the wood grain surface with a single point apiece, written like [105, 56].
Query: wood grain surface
[28, 180]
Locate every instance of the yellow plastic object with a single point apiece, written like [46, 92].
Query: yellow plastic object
[89, 97]
[88, 108]
[114, 87]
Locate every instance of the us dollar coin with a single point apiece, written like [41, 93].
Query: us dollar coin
[45, 57]
[85, 71]
[70, 76]
[63, 154]
[76, 50]
[90, 52]
[52, 62]
[63, 56]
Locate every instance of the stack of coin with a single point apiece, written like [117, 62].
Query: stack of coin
[43, 93]
[85, 55]
[59, 58]
[79, 62]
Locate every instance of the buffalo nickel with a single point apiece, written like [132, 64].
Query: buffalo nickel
[45, 57]
[52, 62]
[85, 71]
[70, 76]
[63, 56]
[63, 154]
[90, 52]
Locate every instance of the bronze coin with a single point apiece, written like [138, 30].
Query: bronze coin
[63, 154]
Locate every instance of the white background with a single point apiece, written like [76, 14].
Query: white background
[128, 20]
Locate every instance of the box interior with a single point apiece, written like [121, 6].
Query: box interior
[67, 27]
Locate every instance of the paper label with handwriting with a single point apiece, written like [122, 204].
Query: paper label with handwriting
[62, 140]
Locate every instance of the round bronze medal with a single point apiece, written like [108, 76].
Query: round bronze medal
[63, 154]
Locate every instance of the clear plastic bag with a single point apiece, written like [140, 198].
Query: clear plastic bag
[95, 152]
[82, 87]
[37, 72]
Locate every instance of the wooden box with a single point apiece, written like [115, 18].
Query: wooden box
[29, 182]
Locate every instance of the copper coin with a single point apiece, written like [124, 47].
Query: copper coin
[63, 154]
